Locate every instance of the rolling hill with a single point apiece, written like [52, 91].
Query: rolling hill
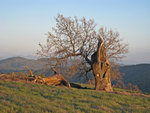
[17, 64]
[136, 74]
[17, 97]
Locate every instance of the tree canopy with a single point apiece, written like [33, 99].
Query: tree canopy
[75, 40]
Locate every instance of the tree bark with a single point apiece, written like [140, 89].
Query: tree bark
[101, 68]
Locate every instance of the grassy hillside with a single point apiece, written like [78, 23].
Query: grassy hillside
[34, 98]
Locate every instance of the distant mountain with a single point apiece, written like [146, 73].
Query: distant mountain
[135, 74]
[15, 64]
[138, 75]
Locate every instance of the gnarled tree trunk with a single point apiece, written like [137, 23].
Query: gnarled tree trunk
[101, 68]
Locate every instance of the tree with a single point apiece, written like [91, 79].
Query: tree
[76, 40]
[101, 68]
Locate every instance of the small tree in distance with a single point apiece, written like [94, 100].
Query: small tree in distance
[73, 41]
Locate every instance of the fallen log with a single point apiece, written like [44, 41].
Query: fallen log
[55, 79]
[31, 74]
[5, 76]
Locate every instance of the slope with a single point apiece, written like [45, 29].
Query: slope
[27, 98]
[137, 75]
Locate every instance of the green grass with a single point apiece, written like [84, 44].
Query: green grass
[34, 98]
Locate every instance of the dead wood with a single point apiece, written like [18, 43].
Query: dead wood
[31, 74]
[101, 68]
[5, 76]
[1, 75]
[12, 75]
[56, 80]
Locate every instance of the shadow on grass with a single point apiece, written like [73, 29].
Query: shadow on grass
[75, 85]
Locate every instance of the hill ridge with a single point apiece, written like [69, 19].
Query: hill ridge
[138, 74]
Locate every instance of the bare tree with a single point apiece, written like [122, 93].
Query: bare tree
[76, 40]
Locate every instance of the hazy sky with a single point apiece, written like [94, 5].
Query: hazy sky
[23, 23]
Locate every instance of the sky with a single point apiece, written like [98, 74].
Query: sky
[24, 23]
